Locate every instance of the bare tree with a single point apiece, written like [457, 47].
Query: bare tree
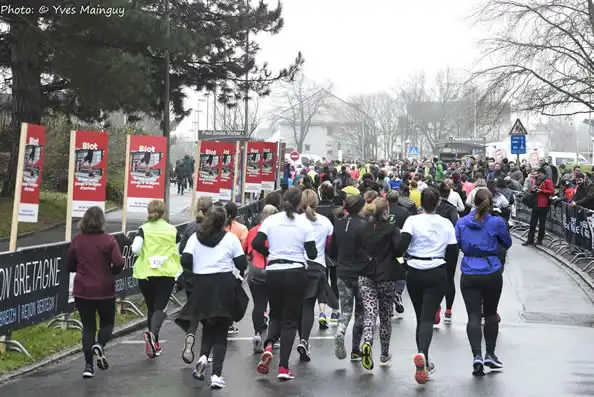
[301, 100]
[542, 54]
[232, 117]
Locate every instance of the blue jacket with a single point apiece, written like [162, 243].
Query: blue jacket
[481, 242]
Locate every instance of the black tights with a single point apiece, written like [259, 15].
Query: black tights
[156, 292]
[450, 292]
[426, 289]
[214, 338]
[331, 275]
[307, 318]
[482, 292]
[88, 310]
[260, 300]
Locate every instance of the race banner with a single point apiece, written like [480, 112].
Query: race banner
[269, 165]
[227, 170]
[210, 169]
[147, 174]
[90, 168]
[253, 169]
[577, 227]
[32, 170]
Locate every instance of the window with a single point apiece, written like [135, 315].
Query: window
[307, 148]
[329, 152]
[330, 131]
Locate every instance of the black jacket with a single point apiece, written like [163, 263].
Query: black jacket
[398, 215]
[584, 195]
[346, 247]
[448, 211]
[190, 229]
[327, 208]
[380, 240]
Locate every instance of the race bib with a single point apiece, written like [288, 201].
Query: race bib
[156, 262]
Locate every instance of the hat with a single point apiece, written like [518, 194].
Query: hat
[507, 178]
[542, 169]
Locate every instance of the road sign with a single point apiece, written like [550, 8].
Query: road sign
[221, 135]
[518, 144]
[413, 151]
[295, 156]
[518, 129]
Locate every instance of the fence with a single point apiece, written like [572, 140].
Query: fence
[569, 231]
[36, 287]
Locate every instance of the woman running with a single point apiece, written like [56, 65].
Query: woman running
[291, 239]
[480, 236]
[95, 258]
[378, 284]
[257, 281]
[345, 248]
[238, 229]
[155, 269]
[212, 255]
[431, 244]
[316, 269]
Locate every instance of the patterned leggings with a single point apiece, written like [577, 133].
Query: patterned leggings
[378, 299]
[348, 289]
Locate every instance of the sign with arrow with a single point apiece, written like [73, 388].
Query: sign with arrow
[518, 138]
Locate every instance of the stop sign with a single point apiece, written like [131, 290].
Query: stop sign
[295, 156]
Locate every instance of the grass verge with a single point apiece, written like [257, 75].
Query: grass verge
[41, 341]
[52, 211]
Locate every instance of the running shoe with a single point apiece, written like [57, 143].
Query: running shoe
[492, 361]
[217, 382]
[210, 357]
[334, 317]
[200, 368]
[88, 372]
[386, 361]
[367, 360]
[264, 364]
[447, 317]
[339, 349]
[478, 368]
[421, 374]
[398, 304]
[303, 350]
[158, 349]
[437, 316]
[149, 344]
[285, 374]
[188, 351]
[356, 356]
[276, 345]
[266, 320]
[102, 363]
[322, 321]
[232, 330]
[257, 341]
[430, 369]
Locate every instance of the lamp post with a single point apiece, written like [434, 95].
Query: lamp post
[166, 111]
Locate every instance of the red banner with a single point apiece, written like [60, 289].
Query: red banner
[90, 166]
[209, 175]
[32, 169]
[253, 169]
[269, 165]
[147, 174]
[227, 170]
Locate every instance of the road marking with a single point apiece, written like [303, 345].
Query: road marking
[137, 342]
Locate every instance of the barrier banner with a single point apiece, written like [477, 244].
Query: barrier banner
[210, 169]
[522, 212]
[32, 285]
[577, 227]
[555, 221]
[125, 284]
[227, 170]
[32, 170]
[269, 156]
[147, 174]
[253, 169]
[90, 149]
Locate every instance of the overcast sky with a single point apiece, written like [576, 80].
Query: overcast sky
[365, 46]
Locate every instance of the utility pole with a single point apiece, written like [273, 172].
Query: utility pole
[247, 74]
[166, 113]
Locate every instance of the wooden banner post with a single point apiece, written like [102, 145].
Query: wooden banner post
[195, 187]
[71, 177]
[280, 159]
[126, 179]
[18, 187]
[235, 168]
[243, 172]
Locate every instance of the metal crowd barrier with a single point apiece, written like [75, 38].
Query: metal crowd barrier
[36, 287]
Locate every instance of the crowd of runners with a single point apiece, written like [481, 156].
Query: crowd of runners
[345, 239]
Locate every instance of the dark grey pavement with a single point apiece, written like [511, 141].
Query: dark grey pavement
[547, 353]
[180, 213]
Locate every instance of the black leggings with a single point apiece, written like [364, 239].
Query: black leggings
[482, 292]
[88, 310]
[450, 292]
[260, 299]
[285, 290]
[214, 338]
[156, 292]
[331, 275]
[307, 318]
[426, 289]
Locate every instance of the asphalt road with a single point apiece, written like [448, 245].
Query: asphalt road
[545, 342]
[180, 212]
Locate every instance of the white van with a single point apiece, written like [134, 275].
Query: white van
[558, 158]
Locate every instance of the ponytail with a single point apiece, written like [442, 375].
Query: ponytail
[289, 209]
[484, 202]
[310, 214]
[291, 201]
[200, 216]
[340, 213]
[309, 203]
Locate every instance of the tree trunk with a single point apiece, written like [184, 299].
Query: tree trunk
[591, 13]
[27, 103]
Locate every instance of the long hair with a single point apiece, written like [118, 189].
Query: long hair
[309, 202]
[93, 221]
[214, 222]
[267, 211]
[379, 209]
[203, 204]
[291, 201]
[483, 200]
